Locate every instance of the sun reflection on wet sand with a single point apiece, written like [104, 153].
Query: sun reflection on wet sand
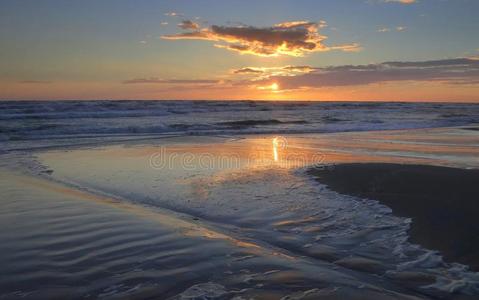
[245, 193]
[275, 149]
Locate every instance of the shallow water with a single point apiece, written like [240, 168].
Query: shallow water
[251, 197]
[60, 243]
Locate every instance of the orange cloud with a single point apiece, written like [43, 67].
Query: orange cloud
[301, 69]
[273, 70]
[289, 38]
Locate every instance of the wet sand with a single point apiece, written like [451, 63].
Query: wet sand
[63, 243]
[442, 202]
[218, 218]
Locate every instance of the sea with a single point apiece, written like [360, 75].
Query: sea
[30, 123]
[85, 214]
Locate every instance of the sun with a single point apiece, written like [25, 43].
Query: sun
[274, 87]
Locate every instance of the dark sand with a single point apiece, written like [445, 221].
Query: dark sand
[442, 202]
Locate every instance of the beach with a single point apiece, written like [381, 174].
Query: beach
[371, 214]
[239, 150]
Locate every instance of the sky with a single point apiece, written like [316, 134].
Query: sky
[338, 50]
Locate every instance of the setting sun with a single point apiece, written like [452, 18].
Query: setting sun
[272, 87]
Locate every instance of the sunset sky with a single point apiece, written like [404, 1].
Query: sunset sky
[407, 50]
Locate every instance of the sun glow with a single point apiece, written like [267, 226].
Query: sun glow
[278, 143]
[275, 149]
[274, 87]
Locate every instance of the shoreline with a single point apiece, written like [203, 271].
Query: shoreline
[441, 201]
[259, 214]
[169, 234]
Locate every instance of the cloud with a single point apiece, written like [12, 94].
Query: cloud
[189, 25]
[284, 70]
[384, 29]
[35, 82]
[173, 14]
[302, 69]
[451, 71]
[400, 1]
[155, 80]
[457, 71]
[248, 70]
[397, 28]
[294, 38]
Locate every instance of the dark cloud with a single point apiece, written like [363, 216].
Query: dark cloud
[189, 25]
[248, 71]
[455, 62]
[454, 71]
[302, 69]
[289, 38]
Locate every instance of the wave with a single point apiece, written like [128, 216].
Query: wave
[40, 120]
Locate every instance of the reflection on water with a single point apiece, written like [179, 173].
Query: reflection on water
[275, 149]
[263, 225]
[279, 144]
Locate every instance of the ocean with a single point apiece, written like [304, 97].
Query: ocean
[55, 120]
[213, 200]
